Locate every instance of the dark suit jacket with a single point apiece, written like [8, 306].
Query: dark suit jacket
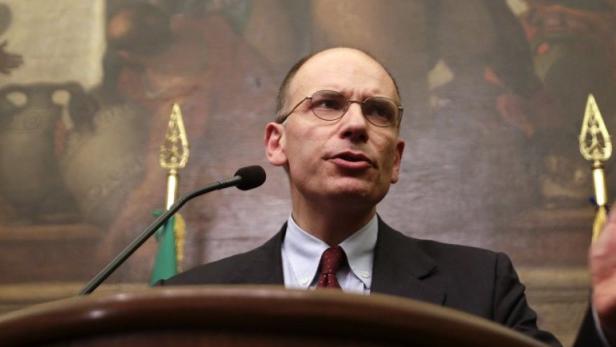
[473, 280]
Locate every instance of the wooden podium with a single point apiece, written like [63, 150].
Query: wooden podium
[248, 316]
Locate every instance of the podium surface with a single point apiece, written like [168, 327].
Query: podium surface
[249, 316]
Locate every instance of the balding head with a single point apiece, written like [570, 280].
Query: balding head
[350, 53]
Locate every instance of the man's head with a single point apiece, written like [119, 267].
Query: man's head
[347, 160]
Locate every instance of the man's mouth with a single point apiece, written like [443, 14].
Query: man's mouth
[352, 160]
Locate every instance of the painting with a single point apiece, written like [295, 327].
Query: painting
[494, 95]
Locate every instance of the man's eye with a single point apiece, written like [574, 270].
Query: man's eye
[377, 110]
[331, 104]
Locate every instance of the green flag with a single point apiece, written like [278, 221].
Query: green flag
[165, 263]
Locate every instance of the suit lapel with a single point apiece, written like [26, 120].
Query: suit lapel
[265, 266]
[402, 268]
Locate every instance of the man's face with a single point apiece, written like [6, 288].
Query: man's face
[350, 159]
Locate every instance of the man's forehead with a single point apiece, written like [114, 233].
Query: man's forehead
[336, 68]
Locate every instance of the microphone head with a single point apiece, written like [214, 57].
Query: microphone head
[252, 177]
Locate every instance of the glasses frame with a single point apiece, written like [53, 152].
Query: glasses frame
[283, 117]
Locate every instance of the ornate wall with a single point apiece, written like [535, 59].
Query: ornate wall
[494, 95]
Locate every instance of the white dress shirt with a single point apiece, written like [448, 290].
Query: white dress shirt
[301, 254]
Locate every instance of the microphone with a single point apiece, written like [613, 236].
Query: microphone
[246, 178]
[252, 177]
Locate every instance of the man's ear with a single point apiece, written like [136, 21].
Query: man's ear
[275, 144]
[395, 172]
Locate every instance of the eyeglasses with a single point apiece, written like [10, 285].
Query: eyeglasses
[330, 105]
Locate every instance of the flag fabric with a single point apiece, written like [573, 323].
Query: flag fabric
[166, 261]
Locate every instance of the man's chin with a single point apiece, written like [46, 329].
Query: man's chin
[356, 192]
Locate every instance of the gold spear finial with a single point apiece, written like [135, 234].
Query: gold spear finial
[596, 146]
[174, 153]
[595, 142]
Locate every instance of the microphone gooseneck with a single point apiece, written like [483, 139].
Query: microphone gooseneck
[246, 178]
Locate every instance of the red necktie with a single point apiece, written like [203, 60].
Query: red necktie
[332, 259]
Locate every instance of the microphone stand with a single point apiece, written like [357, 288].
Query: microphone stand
[150, 230]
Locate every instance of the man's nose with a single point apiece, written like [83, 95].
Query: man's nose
[354, 124]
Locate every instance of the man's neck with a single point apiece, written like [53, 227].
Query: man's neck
[331, 224]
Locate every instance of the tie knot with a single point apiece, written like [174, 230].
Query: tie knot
[332, 259]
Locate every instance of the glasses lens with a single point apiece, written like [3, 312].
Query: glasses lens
[328, 105]
[380, 111]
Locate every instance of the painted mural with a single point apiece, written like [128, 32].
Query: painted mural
[494, 95]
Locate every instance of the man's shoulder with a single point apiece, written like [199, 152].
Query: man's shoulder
[439, 251]
[468, 268]
[445, 251]
[261, 265]
[217, 272]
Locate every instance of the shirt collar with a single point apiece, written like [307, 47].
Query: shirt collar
[305, 251]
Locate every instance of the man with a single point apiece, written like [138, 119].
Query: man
[337, 137]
